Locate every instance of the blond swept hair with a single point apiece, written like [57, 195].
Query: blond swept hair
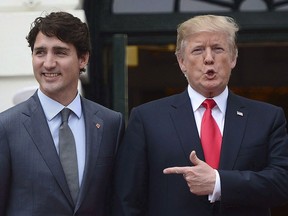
[208, 23]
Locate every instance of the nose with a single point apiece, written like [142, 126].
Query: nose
[49, 62]
[208, 57]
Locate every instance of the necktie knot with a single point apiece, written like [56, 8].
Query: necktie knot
[65, 114]
[209, 103]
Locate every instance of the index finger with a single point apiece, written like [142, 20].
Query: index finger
[175, 170]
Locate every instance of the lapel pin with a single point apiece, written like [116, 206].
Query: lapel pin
[98, 125]
[240, 113]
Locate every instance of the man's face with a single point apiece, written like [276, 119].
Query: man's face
[56, 67]
[207, 62]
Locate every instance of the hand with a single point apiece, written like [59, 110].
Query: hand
[200, 177]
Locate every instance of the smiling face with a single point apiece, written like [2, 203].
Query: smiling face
[57, 67]
[207, 60]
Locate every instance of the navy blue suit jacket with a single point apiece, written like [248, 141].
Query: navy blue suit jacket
[160, 134]
[32, 180]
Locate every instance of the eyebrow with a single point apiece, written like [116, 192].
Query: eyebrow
[56, 48]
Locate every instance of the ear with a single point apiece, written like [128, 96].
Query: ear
[233, 62]
[181, 64]
[234, 56]
[83, 60]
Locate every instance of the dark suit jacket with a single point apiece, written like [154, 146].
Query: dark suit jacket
[160, 134]
[32, 181]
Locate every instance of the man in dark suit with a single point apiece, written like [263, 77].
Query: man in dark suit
[164, 166]
[33, 179]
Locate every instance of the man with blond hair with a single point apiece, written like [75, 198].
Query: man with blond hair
[173, 162]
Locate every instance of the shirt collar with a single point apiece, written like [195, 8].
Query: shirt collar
[221, 100]
[52, 108]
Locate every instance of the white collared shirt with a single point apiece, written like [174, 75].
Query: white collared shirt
[76, 122]
[218, 113]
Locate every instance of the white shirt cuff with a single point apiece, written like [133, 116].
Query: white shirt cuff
[216, 195]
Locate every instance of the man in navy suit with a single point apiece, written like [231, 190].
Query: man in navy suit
[33, 181]
[162, 168]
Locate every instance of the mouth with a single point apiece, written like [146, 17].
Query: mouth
[51, 74]
[210, 72]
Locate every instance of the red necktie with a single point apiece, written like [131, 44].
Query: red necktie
[211, 137]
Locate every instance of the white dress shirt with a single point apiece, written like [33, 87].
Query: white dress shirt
[218, 113]
[52, 111]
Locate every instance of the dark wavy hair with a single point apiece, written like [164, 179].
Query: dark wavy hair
[65, 27]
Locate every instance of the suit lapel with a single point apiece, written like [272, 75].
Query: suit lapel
[235, 122]
[185, 125]
[35, 118]
[94, 130]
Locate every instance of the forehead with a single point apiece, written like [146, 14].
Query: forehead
[50, 42]
[207, 37]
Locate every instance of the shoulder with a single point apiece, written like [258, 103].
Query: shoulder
[15, 111]
[252, 103]
[89, 106]
[161, 108]
[256, 109]
[166, 102]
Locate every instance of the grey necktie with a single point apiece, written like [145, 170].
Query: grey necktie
[67, 154]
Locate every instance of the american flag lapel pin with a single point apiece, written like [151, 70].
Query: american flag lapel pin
[98, 125]
[240, 113]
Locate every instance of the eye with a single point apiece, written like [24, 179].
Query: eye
[197, 50]
[218, 49]
[61, 53]
[39, 52]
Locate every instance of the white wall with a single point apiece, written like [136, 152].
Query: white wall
[16, 16]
